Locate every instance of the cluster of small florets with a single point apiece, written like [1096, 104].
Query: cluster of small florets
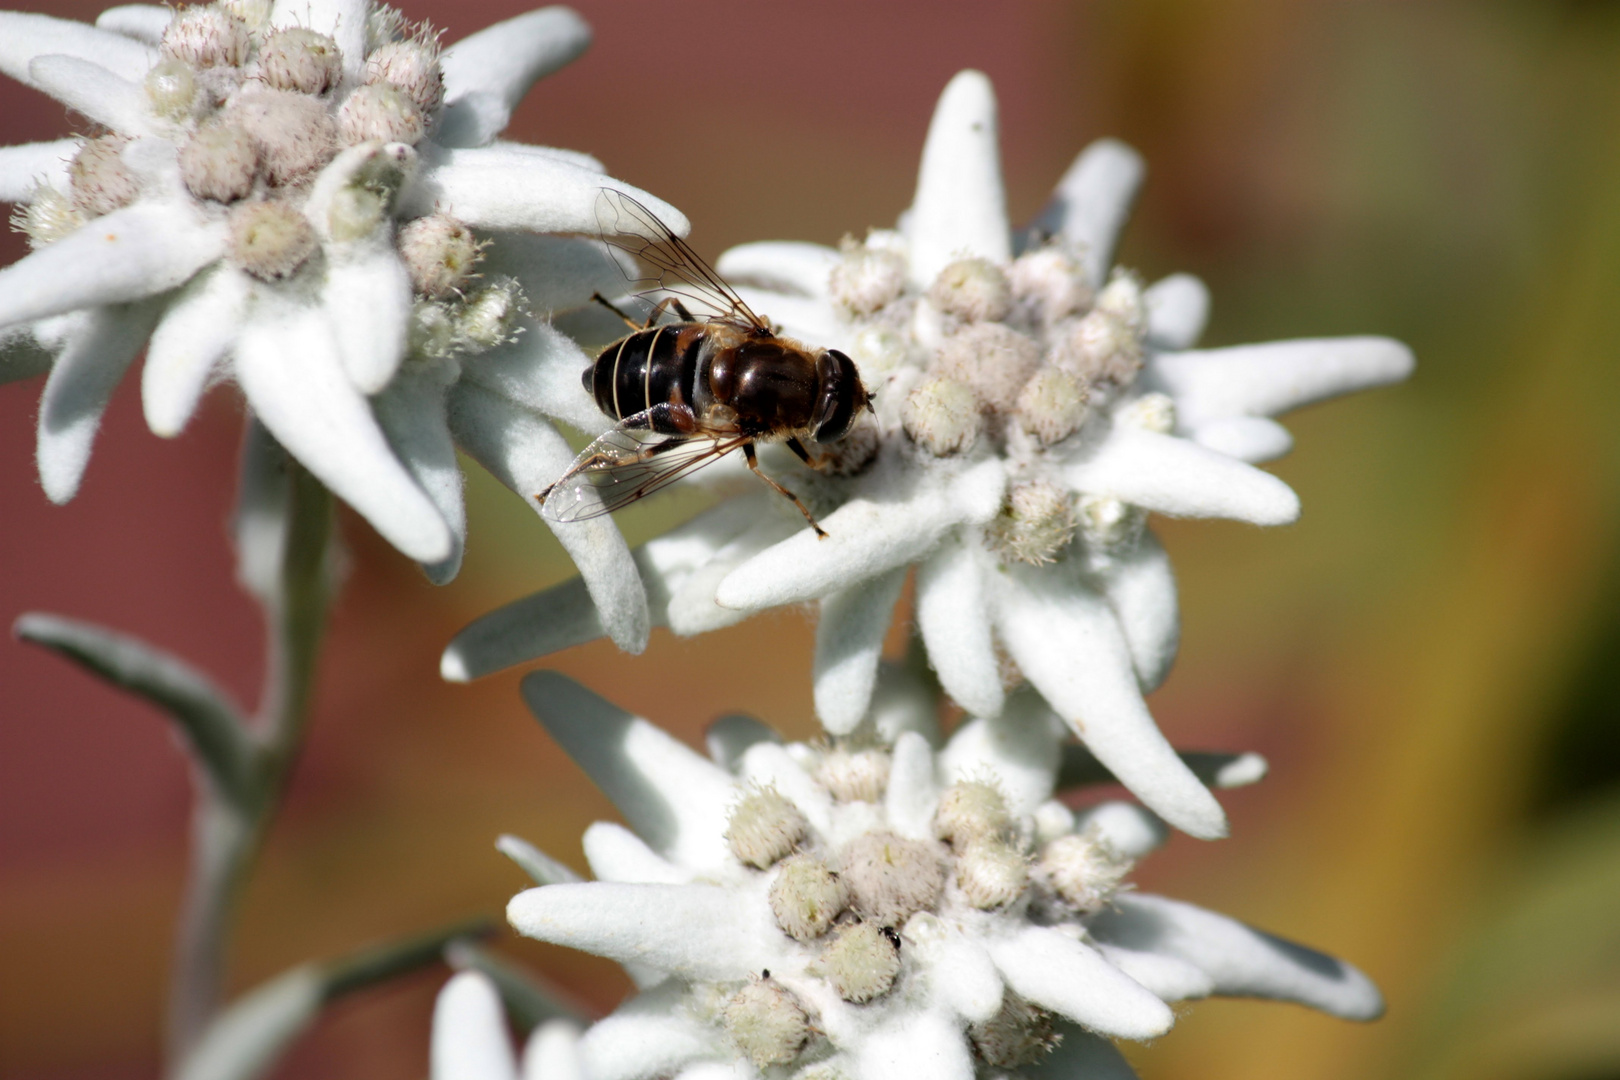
[1011, 356]
[858, 896]
[256, 113]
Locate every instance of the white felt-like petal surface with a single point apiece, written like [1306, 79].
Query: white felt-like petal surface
[197, 332]
[849, 641]
[1128, 828]
[24, 36]
[499, 188]
[914, 1044]
[487, 73]
[126, 255]
[896, 517]
[1067, 642]
[1264, 380]
[556, 272]
[540, 369]
[1092, 202]
[344, 21]
[287, 364]
[1177, 309]
[1243, 962]
[693, 931]
[813, 322]
[1166, 977]
[469, 1032]
[617, 854]
[412, 411]
[675, 799]
[80, 384]
[653, 1034]
[954, 621]
[1140, 586]
[527, 629]
[966, 978]
[1059, 973]
[1176, 476]
[768, 764]
[692, 608]
[781, 265]
[961, 206]
[1248, 438]
[913, 788]
[524, 452]
[143, 22]
[1017, 748]
[368, 300]
[553, 1053]
[24, 167]
[729, 737]
[86, 87]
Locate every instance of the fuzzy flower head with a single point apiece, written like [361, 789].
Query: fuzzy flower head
[1032, 406]
[877, 909]
[308, 198]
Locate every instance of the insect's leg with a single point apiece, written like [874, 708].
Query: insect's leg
[628, 321]
[680, 309]
[753, 463]
[797, 447]
[664, 305]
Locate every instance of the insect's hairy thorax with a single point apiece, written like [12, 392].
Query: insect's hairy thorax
[769, 383]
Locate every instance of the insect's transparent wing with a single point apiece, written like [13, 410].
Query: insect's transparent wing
[625, 464]
[676, 269]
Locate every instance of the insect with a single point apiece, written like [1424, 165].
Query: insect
[687, 393]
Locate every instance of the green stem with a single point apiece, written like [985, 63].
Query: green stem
[227, 833]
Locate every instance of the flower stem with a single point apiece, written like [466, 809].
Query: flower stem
[228, 829]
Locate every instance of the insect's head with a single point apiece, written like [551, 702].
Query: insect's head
[842, 396]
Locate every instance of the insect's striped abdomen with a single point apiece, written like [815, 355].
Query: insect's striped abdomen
[646, 368]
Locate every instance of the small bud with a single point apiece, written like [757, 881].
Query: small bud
[972, 289]
[384, 24]
[854, 775]
[1122, 298]
[764, 827]
[806, 897]
[991, 874]
[440, 253]
[219, 162]
[891, 878]
[300, 60]
[941, 416]
[361, 188]
[1151, 412]
[270, 240]
[1020, 1034]
[1052, 820]
[1107, 522]
[767, 1023]
[861, 963]
[433, 331]
[1099, 348]
[1037, 521]
[971, 810]
[1084, 870]
[867, 279]
[255, 13]
[877, 351]
[207, 36]
[100, 180]
[489, 316]
[48, 216]
[171, 89]
[380, 113]
[295, 132]
[411, 67]
[1051, 283]
[1051, 406]
[991, 359]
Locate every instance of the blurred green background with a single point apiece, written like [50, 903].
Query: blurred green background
[1430, 659]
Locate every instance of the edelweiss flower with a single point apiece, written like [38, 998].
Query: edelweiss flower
[309, 197]
[873, 910]
[470, 1040]
[1031, 408]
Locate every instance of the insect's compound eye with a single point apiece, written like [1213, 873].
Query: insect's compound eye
[841, 395]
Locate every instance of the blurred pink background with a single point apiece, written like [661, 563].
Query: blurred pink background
[1428, 658]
